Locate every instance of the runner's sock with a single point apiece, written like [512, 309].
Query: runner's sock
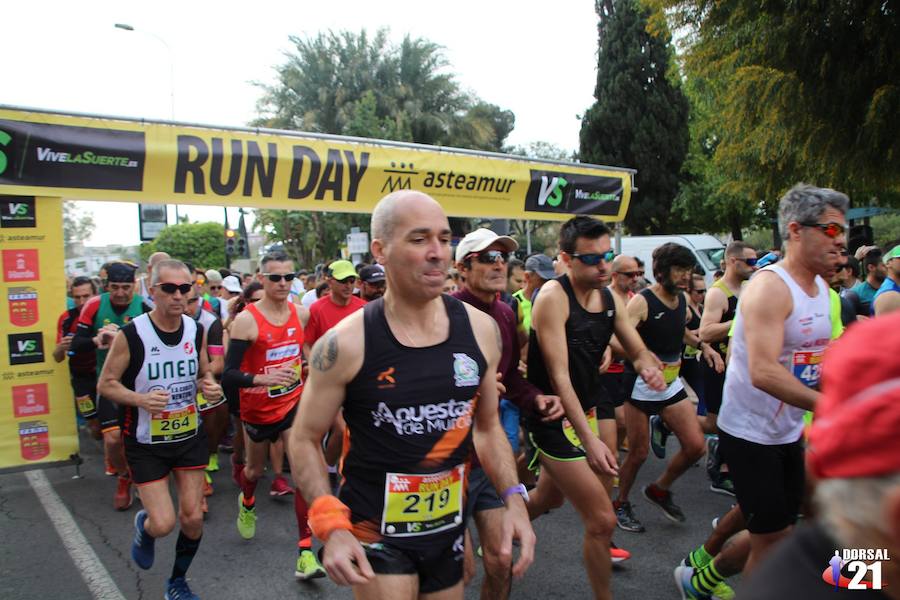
[185, 549]
[249, 489]
[699, 558]
[301, 509]
[706, 579]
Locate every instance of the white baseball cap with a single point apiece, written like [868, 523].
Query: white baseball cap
[232, 284]
[480, 239]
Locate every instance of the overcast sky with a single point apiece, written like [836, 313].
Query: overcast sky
[537, 59]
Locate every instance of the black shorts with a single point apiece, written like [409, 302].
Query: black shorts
[151, 462]
[108, 413]
[548, 439]
[439, 566]
[481, 493]
[654, 407]
[270, 432]
[233, 398]
[690, 372]
[713, 384]
[84, 387]
[768, 481]
[618, 386]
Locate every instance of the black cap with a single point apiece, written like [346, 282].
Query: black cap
[372, 274]
[119, 272]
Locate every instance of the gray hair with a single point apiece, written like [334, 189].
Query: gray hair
[804, 203]
[852, 507]
[168, 263]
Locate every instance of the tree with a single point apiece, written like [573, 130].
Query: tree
[77, 225]
[800, 91]
[201, 244]
[363, 86]
[640, 117]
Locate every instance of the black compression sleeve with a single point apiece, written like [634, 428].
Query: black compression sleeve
[233, 375]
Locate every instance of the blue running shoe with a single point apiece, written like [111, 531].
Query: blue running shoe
[659, 434]
[177, 589]
[683, 582]
[142, 547]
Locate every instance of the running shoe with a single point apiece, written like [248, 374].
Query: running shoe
[723, 591]
[663, 499]
[246, 521]
[108, 469]
[213, 465]
[142, 550]
[659, 434]
[177, 589]
[626, 520]
[713, 460]
[236, 469]
[308, 566]
[722, 485]
[715, 523]
[123, 498]
[280, 487]
[683, 583]
[616, 554]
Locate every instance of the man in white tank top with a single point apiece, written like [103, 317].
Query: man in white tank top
[782, 327]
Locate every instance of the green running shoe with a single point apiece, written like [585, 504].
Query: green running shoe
[723, 591]
[308, 566]
[246, 521]
[213, 465]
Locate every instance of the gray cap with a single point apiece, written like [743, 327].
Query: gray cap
[542, 265]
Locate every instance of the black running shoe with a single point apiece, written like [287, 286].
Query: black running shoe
[626, 520]
[663, 499]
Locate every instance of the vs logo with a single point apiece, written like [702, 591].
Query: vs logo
[25, 348]
[551, 190]
[17, 211]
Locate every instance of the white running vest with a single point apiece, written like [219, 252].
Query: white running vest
[170, 368]
[753, 415]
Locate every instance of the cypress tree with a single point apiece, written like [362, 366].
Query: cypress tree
[640, 118]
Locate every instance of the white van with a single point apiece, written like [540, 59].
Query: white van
[707, 249]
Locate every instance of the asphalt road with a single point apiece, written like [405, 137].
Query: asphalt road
[34, 563]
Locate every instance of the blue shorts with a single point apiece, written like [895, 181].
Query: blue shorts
[509, 418]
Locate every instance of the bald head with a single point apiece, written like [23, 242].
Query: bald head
[624, 263]
[391, 210]
[157, 257]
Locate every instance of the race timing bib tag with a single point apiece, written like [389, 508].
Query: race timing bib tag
[807, 367]
[569, 429]
[173, 425]
[422, 504]
[280, 390]
[85, 405]
[671, 371]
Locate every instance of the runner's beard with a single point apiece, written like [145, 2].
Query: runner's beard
[670, 286]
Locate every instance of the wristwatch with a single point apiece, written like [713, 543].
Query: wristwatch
[519, 489]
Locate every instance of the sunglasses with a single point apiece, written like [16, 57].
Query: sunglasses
[630, 274]
[171, 288]
[489, 257]
[703, 291]
[595, 259]
[276, 277]
[832, 230]
[347, 280]
[751, 262]
[215, 287]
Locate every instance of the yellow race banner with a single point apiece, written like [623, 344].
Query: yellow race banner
[37, 413]
[103, 158]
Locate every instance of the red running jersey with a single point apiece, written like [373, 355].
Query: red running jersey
[275, 346]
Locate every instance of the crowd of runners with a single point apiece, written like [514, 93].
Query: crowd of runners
[442, 386]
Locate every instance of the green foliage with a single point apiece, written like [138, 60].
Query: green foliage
[77, 225]
[640, 117]
[363, 86]
[799, 91]
[201, 244]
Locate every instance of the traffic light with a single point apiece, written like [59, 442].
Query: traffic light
[242, 247]
[231, 239]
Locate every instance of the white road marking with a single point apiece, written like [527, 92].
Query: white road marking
[95, 575]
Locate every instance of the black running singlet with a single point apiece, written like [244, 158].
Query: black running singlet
[409, 421]
[663, 331]
[587, 336]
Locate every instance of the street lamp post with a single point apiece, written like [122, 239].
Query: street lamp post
[127, 27]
